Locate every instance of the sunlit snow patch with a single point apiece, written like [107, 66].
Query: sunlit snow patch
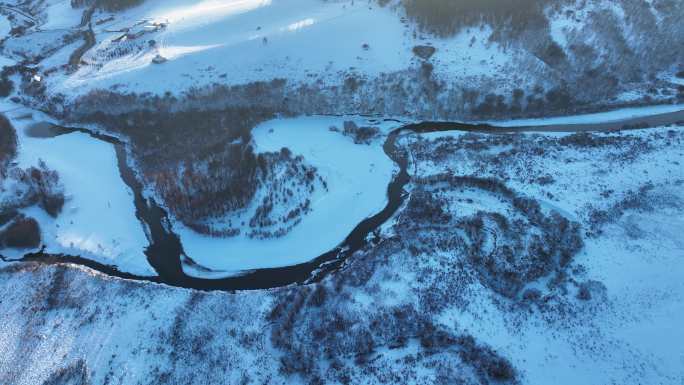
[209, 10]
[300, 24]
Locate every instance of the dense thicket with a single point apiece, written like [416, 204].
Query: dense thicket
[23, 233]
[8, 143]
[201, 162]
[36, 185]
[446, 17]
[107, 5]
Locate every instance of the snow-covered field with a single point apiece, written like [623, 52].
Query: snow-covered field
[237, 42]
[639, 258]
[98, 219]
[357, 176]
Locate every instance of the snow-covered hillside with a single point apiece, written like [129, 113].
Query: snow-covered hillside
[352, 51]
[341, 192]
[412, 306]
[237, 42]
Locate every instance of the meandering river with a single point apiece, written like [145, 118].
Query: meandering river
[165, 252]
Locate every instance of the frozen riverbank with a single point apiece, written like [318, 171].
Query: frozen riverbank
[98, 221]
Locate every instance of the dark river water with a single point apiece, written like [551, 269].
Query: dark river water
[165, 252]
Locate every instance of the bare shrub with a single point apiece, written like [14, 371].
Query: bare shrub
[8, 144]
[22, 233]
[47, 188]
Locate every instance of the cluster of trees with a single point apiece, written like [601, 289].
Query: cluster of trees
[75, 373]
[203, 165]
[107, 5]
[446, 18]
[416, 92]
[34, 186]
[6, 85]
[44, 188]
[8, 145]
[287, 185]
[360, 135]
[641, 199]
[508, 251]
[21, 233]
[592, 140]
[324, 339]
[557, 99]
[425, 209]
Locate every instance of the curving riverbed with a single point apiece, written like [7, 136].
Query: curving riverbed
[166, 255]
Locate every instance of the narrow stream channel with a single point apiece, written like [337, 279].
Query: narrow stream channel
[165, 252]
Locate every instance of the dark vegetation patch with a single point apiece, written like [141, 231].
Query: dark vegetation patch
[204, 167]
[505, 156]
[445, 18]
[324, 338]
[424, 52]
[8, 144]
[74, 374]
[536, 102]
[201, 163]
[6, 216]
[508, 250]
[6, 85]
[644, 199]
[361, 135]
[591, 289]
[417, 92]
[44, 188]
[285, 184]
[21, 233]
[47, 188]
[37, 185]
[107, 5]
